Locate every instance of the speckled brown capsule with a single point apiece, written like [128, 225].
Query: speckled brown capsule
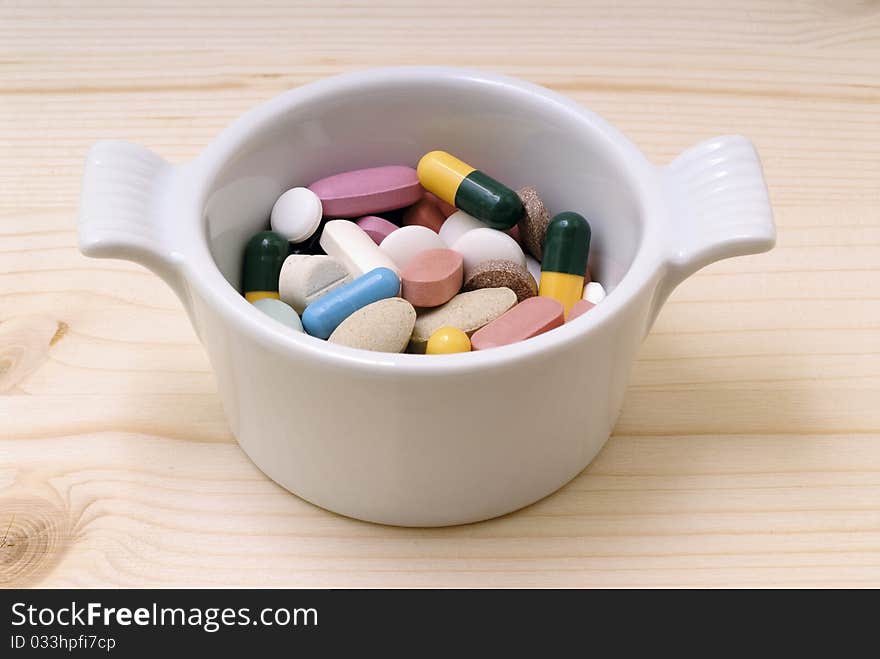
[534, 222]
[498, 273]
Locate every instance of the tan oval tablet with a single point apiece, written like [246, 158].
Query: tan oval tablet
[432, 277]
[496, 273]
[527, 319]
[383, 326]
[466, 311]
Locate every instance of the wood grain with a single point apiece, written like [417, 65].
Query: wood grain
[748, 452]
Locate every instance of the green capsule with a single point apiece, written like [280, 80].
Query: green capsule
[486, 199]
[470, 190]
[567, 244]
[263, 257]
[566, 248]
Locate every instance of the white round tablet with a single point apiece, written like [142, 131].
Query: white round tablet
[458, 224]
[594, 292]
[480, 245]
[281, 312]
[402, 245]
[297, 214]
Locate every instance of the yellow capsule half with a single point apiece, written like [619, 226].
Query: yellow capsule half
[561, 286]
[253, 296]
[442, 173]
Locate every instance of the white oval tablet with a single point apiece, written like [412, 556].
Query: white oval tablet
[594, 292]
[297, 214]
[306, 277]
[480, 245]
[354, 249]
[281, 312]
[405, 243]
[458, 224]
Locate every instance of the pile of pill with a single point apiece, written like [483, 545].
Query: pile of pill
[438, 259]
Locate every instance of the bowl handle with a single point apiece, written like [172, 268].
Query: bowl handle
[718, 208]
[123, 188]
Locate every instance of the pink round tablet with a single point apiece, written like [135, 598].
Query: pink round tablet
[368, 191]
[579, 309]
[529, 318]
[432, 277]
[376, 228]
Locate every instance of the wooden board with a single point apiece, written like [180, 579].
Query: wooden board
[748, 451]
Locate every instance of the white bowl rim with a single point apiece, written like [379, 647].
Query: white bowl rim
[201, 272]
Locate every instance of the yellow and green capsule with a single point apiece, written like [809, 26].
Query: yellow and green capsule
[263, 257]
[470, 190]
[566, 248]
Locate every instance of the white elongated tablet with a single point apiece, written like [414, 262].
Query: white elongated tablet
[297, 214]
[458, 224]
[480, 245]
[354, 249]
[306, 277]
[405, 243]
[594, 292]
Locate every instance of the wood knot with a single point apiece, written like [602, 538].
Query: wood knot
[34, 534]
[59, 333]
[24, 346]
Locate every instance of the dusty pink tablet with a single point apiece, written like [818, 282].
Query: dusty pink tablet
[368, 191]
[432, 277]
[446, 209]
[580, 308]
[376, 228]
[529, 318]
[425, 213]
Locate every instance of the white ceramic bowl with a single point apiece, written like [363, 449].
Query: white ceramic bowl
[409, 439]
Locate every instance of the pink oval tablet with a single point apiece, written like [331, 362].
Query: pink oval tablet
[529, 318]
[376, 228]
[368, 191]
[580, 308]
[424, 213]
[432, 277]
